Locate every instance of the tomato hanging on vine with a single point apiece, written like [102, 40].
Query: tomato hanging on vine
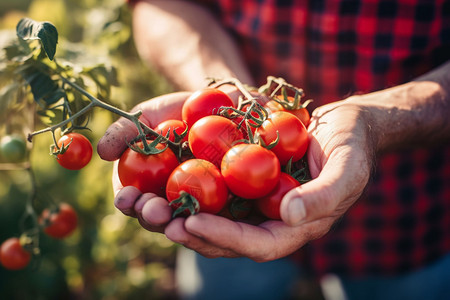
[13, 256]
[75, 151]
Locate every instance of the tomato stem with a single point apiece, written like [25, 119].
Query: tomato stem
[186, 204]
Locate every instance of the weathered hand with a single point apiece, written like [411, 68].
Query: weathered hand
[340, 157]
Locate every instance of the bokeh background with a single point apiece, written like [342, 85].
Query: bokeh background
[109, 256]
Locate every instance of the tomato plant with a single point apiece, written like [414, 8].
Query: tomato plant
[148, 173]
[196, 185]
[75, 151]
[13, 148]
[269, 205]
[12, 254]
[291, 134]
[250, 171]
[172, 125]
[59, 223]
[212, 136]
[203, 103]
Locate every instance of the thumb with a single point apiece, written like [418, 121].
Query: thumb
[325, 196]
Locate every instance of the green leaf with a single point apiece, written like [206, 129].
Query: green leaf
[42, 86]
[51, 116]
[103, 77]
[46, 32]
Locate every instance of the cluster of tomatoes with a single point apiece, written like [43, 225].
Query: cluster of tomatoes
[75, 151]
[238, 156]
[59, 223]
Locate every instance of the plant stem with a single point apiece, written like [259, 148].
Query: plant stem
[239, 86]
[143, 129]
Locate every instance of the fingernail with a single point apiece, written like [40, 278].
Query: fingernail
[297, 212]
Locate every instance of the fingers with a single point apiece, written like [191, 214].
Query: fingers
[125, 200]
[152, 211]
[156, 211]
[328, 195]
[176, 232]
[214, 236]
[235, 237]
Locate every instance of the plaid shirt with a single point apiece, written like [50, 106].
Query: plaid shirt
[333, 49]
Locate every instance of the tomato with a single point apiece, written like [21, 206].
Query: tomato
[212, 136]
[148, 173]
[300, 112]
[250, 171]
[203, 103]
[13, 148]
[202, 181]
[12, 254]
[78, 153]
[60, 223]
[292, 136]
[177, 125]
[269, 205]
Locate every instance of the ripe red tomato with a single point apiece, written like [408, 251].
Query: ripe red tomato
[13, 256]
[269, 205]
[148, 173]
[301, 112]
[172, 124]
[203, 103]
[78, 154]
[61, 223]
[293, 136]
[212, 136]
[250, 171]
[203, 181]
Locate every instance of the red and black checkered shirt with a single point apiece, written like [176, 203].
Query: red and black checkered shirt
[333, 49]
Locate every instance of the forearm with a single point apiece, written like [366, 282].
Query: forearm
[412, 114]
[186, 43]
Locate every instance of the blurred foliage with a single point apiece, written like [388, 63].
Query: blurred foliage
[110, 256]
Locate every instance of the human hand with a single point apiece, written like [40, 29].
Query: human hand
[339, 164]
[340, 159]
